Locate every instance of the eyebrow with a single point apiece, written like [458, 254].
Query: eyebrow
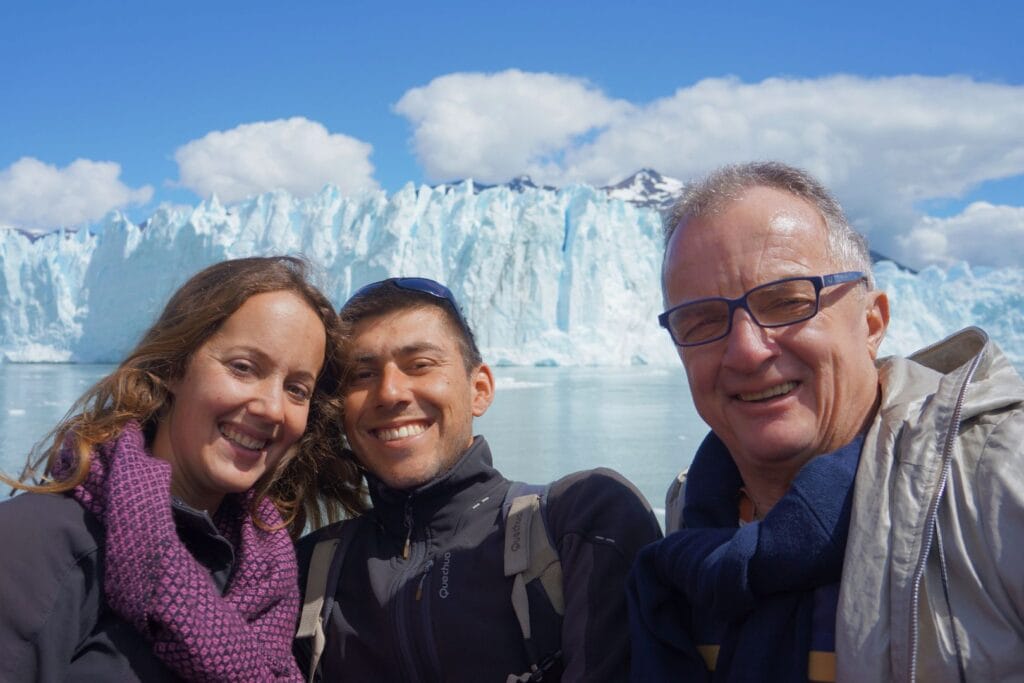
[264, 358]
[407, 350]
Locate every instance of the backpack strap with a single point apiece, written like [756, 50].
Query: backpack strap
[321, 581]
[674, 500]
[530, 556]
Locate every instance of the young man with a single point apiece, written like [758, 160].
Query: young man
[421, 590]
[847, 518]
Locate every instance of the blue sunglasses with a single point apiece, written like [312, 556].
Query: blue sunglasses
[423, 285]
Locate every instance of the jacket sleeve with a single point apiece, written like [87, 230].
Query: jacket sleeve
[599, 522]
[51, 588]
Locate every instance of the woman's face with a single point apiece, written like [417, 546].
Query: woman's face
[244, 399]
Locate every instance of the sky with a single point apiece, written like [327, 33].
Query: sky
[911, 112]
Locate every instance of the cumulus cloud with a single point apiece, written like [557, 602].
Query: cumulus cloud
[983, 234]
[494, 126]
[37, 196]
[882, 144]
[296, 154]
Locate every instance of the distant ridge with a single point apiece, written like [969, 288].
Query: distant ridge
[646, 188]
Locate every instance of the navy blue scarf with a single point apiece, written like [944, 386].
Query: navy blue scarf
[754, 583]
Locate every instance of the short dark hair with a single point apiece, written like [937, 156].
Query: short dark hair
[386, 296]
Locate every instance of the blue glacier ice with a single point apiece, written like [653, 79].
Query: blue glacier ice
[547, 276]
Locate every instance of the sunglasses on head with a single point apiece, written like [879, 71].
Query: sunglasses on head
[423, 285]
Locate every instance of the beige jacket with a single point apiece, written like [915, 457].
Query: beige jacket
[933, 580]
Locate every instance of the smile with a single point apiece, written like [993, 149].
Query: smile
[777, 390]
[395, 433]
[243, 440]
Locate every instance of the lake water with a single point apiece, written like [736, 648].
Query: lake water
[544, 423]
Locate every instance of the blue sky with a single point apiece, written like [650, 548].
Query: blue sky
[913, 112]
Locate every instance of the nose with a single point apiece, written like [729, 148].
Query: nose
[393, 385]
[748, 345]
[269, 402]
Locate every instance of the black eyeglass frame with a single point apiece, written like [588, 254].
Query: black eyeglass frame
[820, 282]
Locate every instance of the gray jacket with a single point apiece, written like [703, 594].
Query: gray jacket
[933, 580]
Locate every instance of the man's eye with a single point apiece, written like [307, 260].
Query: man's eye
[789, 306]
[696, 329]
[362, 374]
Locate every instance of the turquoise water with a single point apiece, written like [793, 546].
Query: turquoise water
[544, 423]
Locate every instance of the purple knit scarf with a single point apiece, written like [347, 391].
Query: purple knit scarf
[153, 582]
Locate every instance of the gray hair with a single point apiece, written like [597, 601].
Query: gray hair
[845, 246]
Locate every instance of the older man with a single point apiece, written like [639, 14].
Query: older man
[434, 583]
[846, 518]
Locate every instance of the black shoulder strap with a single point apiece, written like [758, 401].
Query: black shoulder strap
[321, 583]
[530, 555]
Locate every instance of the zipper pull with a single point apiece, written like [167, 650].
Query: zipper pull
[423, 579]
[408, 528]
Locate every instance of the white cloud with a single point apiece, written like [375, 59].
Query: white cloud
[882, 144]
[37, 196]
[982, 234]
[294, 154]
[494, 126]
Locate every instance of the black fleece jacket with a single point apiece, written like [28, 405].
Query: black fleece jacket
[444, 613]
[55, 624]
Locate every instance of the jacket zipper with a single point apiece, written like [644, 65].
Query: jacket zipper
[932, 519]
[408, 657]
[406, 602]
[408, 528]
[424, 575]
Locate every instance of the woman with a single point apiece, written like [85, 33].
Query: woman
[157, 547]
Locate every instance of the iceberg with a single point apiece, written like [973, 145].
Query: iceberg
[547, 276]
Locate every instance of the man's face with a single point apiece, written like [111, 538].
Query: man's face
[776, 397]
[409, 402]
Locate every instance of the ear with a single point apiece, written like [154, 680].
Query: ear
[482, 382]
[877, 315]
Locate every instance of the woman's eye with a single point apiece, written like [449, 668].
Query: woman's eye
[300, 392]
[242, 367]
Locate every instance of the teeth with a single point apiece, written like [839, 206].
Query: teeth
[778, 390]
[243, 440]
[391, 434]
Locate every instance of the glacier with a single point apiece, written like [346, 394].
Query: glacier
[547, 276]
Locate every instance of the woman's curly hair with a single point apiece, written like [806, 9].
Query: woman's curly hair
[313, 484]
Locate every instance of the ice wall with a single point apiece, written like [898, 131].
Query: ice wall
[546, 276]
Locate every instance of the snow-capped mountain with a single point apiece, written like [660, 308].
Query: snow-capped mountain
[647, 188]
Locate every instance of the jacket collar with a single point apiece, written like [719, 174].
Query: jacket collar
[440, 502]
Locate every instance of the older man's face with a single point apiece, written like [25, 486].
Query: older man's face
[776, 397]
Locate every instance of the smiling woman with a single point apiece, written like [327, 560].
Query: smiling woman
[157, 546]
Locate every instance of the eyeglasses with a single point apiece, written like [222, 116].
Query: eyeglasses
[423, 285]
[775, 304]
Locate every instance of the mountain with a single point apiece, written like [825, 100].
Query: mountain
[647, 188]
